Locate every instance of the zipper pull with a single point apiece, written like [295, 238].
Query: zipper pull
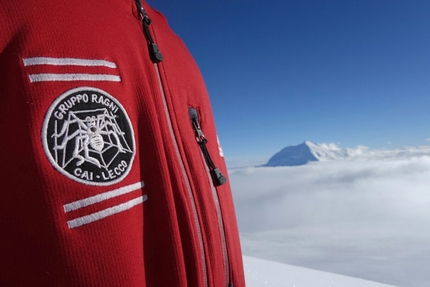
[217, 176]
[154, 52]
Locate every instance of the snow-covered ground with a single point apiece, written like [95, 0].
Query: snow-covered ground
[260, 273]
[365, 216]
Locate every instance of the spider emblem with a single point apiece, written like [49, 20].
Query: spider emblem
[88, 137]
[96, 133]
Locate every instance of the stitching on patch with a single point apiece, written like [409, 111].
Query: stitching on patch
[88, 137]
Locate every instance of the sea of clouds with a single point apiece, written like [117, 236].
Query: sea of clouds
[367, 216]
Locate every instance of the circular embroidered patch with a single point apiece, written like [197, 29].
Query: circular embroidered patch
[88, 137]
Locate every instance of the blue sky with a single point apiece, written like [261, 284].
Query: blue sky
[281, 72]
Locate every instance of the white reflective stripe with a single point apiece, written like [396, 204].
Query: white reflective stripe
[102, 196]
[106, 212]
[66, 62]
[73, 77]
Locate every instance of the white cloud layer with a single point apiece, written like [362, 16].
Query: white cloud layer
[366, 216]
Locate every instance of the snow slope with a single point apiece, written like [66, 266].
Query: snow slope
[259, 273]
[310, 152]
[306, 152]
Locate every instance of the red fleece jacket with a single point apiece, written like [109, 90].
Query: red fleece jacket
[109, 162]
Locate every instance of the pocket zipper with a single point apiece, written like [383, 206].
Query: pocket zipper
[217, 176]
[217, 179]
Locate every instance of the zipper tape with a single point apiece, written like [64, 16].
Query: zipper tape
[217, 176]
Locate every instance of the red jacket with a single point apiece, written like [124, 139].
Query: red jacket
[110, 168]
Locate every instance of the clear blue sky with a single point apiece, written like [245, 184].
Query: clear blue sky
[280, 72]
